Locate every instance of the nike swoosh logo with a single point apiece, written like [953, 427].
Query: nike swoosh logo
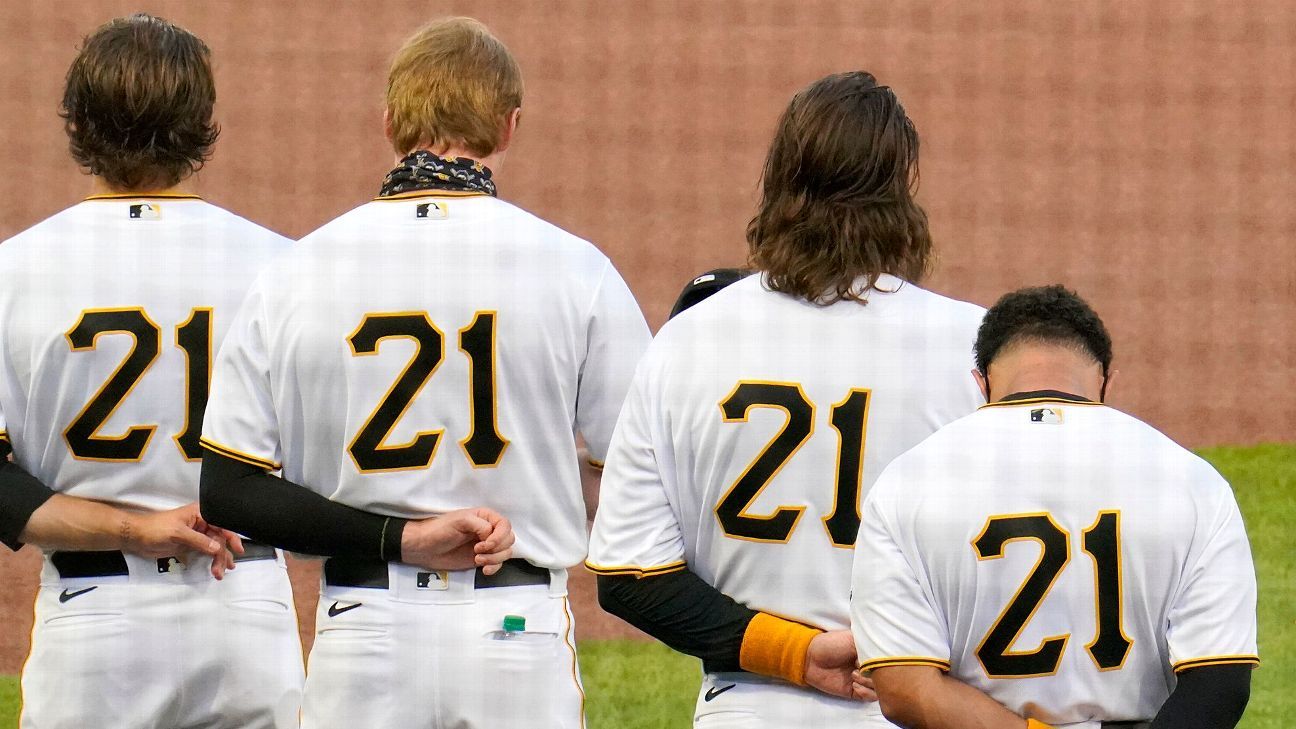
[335, 611]
[69, 595]
[714, 691]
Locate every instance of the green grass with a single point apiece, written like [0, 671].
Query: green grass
[633, 685]
[1264, 479]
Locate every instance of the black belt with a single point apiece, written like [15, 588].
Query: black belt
[113, 563]
[372, 573]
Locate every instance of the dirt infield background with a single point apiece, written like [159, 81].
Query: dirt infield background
[1143, 153]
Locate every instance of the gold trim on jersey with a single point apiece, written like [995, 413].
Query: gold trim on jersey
[142, 196]
[596, 463]
[905, 661]
[640, 572]
[1215, 661]
[575, 672]
[417, 194]
[237, 455]
[1036, 401]
[1066, 637]
[4, 436]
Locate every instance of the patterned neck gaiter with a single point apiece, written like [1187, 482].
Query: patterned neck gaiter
[423, 170]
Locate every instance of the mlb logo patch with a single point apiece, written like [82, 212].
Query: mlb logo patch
[432, 580]
[434, 210]
[146, 211]
[1051, 416]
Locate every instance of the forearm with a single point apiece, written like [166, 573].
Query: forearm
[1210, 697]
[682, 611]
[69, 523]
[269, 509]
[21, 496]
[922, 697]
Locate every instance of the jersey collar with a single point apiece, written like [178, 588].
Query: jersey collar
[143, 196]
[1034, 396]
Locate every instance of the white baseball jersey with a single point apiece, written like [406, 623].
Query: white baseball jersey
[109, 315]
[1064, 544]
[757, 421]
[429, 352]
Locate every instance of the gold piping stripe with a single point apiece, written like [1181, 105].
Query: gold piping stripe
[142, 196]
[1036, 401]
[1215, 661]
[4, 436]
[640, 571]
[904, 661]
[574, 670]
[416, 194]
[239, 455]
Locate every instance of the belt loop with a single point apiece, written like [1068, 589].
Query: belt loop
[557, 582]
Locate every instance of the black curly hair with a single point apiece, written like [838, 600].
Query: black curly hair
[1042, 314]
[137, 106]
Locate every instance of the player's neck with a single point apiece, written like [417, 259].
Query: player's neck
[1045, 370]
[492, 161]
[100, 186]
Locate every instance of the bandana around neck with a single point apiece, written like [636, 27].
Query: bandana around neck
[423, 170]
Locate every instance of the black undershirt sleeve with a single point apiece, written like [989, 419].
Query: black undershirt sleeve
[682, 611]
[248, 500]
[1210, 697]
[21, 494]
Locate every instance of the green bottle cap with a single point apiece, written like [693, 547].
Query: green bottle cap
[514, 623]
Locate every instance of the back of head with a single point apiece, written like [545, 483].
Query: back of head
[837, 202]
[1047, 315]
[137, 106]
[452, 84]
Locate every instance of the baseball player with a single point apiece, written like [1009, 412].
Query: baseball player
[1051, 558]
[436, 349]
[759, 417]
[110, 314]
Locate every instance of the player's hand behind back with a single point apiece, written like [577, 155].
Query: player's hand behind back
[830, 663]
[458, 540]
[179, 533]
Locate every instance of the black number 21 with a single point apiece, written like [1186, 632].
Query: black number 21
[193, 337]
[1109, 647]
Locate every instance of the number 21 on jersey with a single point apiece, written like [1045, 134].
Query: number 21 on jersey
[849, 418]
[484, 446]
[193, 337]
[1101, 542]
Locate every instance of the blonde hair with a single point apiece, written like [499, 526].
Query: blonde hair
[452, 82]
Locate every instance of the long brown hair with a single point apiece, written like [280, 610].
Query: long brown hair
[837, 201]
[138, 103]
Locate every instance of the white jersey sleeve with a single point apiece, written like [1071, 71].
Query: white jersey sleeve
[893, 618]
[240, 421]
[1212, 619]
[617, 338]
[636, 531]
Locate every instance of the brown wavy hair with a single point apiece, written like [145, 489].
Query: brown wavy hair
[137, 106]
[837, 200]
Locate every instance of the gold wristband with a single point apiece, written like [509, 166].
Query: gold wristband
[776, 647]
[1037, 724]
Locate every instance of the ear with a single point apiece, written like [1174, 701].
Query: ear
[982, 384]
[510, 126]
